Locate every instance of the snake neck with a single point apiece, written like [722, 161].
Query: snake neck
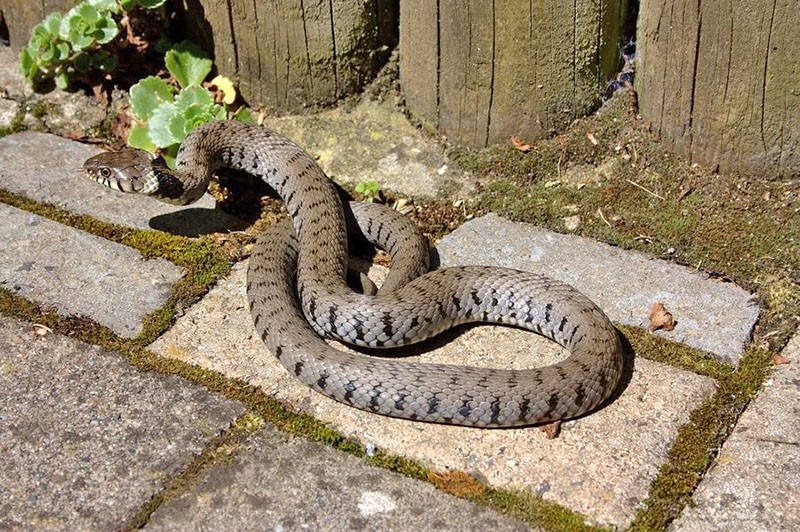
[309, 195]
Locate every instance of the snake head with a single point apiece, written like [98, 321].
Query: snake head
[126, 171]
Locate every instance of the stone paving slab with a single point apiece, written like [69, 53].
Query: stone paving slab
[601, 465]
[754, 485]
[276, 482]
[48, 168]
[711, 315]
[81, 274]
[86, 439]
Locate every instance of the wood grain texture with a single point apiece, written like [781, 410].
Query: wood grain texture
[295, 54]
[481, 71]
[718, 82]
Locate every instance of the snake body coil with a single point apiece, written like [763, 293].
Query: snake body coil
[309, 263]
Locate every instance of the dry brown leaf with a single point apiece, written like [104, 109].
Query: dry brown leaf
[777, 360]
[518, 144]
[552, 429]
[660, 318]
[457, 483]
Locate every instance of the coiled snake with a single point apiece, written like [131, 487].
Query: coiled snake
[297, 291]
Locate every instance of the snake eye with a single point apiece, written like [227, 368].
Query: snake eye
[105, 172]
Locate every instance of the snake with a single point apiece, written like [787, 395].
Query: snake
[298, 294]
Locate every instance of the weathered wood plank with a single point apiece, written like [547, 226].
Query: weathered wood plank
[489, 70]
[718, 81]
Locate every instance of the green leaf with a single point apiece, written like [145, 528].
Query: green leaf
[219, 112]
[52, 23]
[243, 114]
[170, 154]
[63, 51]
[151, 4]
[62, 80]
[166, 126]
[127, 5]
[188, 63]
[147, 95]
[105, 5]
[139, 138]
[88, 13]
[107, 29]
[196, 116]
[194, 95]
[27, 65]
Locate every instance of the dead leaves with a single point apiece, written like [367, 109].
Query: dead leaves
[520, 145]
[778, 360]
[660, 318]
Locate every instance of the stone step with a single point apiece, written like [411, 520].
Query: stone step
[278, 482]
[712, 315]
[86, 439]
[48, 168]
[81, 274]
[754, 483]
[600, 466]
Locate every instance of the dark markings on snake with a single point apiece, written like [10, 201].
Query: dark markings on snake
[495, 411]
[465, 410]
[562, 324]
[552, 404]
[433, 404]
[387, 325]
[349, 388]
[475, 298]
[400, 403]
[278, 351]
[374, 395]
[298, 368]
[547, 308]
[524, 408]
[580, 395]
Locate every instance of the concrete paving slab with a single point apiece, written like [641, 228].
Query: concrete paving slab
[276, 482]
[754, 484]
[711, 315]
[85, 438]
[81, 274]
[12, 84]
[8, 111]
[601, 465]
[48, 168]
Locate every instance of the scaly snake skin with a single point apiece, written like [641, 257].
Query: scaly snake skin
[310, 262]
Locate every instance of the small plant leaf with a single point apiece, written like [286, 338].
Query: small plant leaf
[150, 4]
[193, 95]
[62, 80]
[147, 95]
[163, 125]
[188, 63]
[243, 114]
[105, 5]
[139, 138]
[52, 23]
